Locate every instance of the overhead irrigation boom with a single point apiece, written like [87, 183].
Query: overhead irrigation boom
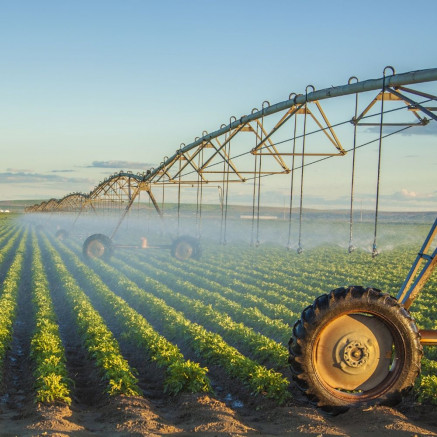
[220, 159]
[390, 83]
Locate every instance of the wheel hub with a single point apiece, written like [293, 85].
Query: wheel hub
[96, 249]
[184, 251]
[354, 354]
[360, 354]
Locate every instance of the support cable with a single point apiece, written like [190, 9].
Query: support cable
[199, 183]
[199, 230]
[257, 243]
[368, 143]
[163, 183]
[226, 191]
[378, 179]
[227, 197]
[163, 230]
[254, 192]
[342, 123]
[222, 202]
[179, 192]
[299, 246]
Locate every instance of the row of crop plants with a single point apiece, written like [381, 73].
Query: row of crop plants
[5, 226]
[8, 300]
[217, 306]
[208, 345]
[52, 383]
[181, 374]
[328, 268]
[6, 231]
[8, 241]
[247, 280]
[234, 272]
[250, 295]
[46, 347]
[259, 346]
[98, 340]
[222, 299]
[423, 309]
[284, 267]
[387, 272]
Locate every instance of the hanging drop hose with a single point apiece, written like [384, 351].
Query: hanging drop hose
[351, 247]
[198, 194]
[222, 202]
[257, 243]
[228, 158]
[259, 179]
[200, 206]
[292, 185]
[299, 246]
[163, 183]
[163, 196]
[227, 196]
[253, 202]
[378, 180]
[179, 192]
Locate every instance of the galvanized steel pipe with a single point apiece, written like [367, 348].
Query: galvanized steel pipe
[412, 77]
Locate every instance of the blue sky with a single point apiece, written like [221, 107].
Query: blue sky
[91, 87]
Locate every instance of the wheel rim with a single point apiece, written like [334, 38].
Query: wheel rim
[356, 355]
[95, 249]
[183, 250]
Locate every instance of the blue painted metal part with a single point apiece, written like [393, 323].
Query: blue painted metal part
[416, 279]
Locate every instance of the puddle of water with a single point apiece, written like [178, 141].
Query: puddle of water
[235, 403]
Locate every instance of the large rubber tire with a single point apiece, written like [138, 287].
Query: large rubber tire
[355, 346]
[61, 234]
[98, 246]
[186, 247]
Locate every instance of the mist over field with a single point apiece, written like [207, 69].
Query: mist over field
[317, 228]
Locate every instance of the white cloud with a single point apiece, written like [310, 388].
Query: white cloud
[19, 170]
[23, 177]
[127, 165]
[408, 194]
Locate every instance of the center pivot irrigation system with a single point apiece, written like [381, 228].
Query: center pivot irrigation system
[354, 344]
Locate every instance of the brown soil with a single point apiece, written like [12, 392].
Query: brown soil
[206, 415]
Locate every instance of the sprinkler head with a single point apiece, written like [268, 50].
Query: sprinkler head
[299, 250]
[351, 248]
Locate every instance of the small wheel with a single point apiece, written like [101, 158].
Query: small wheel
[355, 346]
[97, 246]
[61, 234]
[186, 247]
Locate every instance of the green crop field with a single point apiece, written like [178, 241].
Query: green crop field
[221, 321]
